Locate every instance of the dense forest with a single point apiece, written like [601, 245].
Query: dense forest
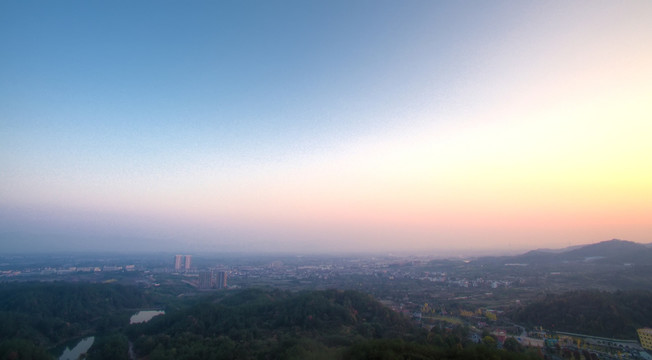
[274, 324]
[243, 324]
[252, 322]
[279, 324]
[38, 315]
[607, 314]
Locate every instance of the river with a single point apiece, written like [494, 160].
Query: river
[73, 352]
[144, 316]
[82, 347]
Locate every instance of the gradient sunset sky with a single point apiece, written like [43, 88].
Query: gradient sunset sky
[324, 126]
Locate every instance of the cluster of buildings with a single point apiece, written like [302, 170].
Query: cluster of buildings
[182, 262]
[212, 280]
[68, 270]
[208, 279]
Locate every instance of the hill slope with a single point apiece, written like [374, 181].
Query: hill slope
[606, 252]
[48, 313]
[612, 252]
[276, 322]
[613, 315]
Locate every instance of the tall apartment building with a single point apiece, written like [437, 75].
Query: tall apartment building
[206, 280]
[182, 262]
[221, 280]
[212, 280]
[187, 263]
[177, 262]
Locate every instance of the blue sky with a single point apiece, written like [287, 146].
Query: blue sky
[160, 119]
[251, 72]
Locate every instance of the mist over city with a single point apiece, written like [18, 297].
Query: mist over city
[325, 180]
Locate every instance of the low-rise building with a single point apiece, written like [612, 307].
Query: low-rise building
[645, 338]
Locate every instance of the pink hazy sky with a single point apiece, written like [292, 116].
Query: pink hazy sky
[419, 127]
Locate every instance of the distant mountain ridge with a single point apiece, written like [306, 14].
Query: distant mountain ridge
[613, 251]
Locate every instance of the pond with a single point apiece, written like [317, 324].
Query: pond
[82, 347]
[144, 316]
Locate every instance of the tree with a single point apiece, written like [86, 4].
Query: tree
[512, 344]
[489, 341]
[111, 347]
[22, 349]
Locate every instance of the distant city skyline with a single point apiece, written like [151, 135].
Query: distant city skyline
[343, 126]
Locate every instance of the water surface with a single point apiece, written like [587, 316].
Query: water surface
[144, 316]
[82, 347]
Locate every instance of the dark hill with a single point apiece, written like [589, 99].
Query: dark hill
[607, 252]
[254, 321]
[592, 312]
[47, 313]
[275, 324]
[613, 251]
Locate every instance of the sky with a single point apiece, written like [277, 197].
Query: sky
[434, 127]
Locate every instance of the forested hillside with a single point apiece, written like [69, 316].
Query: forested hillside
[242, 324]
[592, 312]
[272, 322]
[41, 315]
[258, 324]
